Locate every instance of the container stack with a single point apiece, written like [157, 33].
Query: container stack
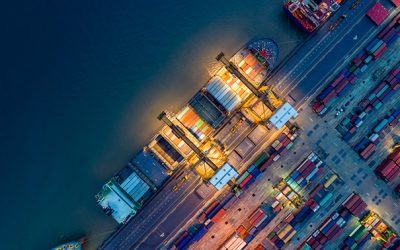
[374, 100]
[319, 197]
[305, 172]
[366, 147]
[246, 232]
[389, 169]
[383, 91]
[357, 238]
[248, 177]
[257, 221]
[375, 225]
[212, 214]
[199, 233]
[333, 225]
[223, 93]
[199, 128]
[234, 243]
[252, 66]
[286, 194]
[283, 232]
[358, 65]
[182, 242]
[355, 204]
[278, 148]
[281, 235]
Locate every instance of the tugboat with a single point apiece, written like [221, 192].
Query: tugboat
[73, 245]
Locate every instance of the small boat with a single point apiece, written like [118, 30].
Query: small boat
[73, 245]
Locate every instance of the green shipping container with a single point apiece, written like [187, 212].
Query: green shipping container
[368, 59]
[260, 160]
[371, 96]
[360, 234]
[241, 178]
[355, 231]
[376, 46]
[346, 121]
[324, 200]
[382, 90]
[378, 105]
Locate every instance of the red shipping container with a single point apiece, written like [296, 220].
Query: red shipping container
[316, 190]
[341, 85]
[244, 182]
[303, 166]
[218, 215]
[211, 207]
[349, 202]
[336, 234]
[318, 106]
[385, 93]
[383, 32]
[378, 88]
[329, 97]
[267, 163]
[393, 174]
[337, 80]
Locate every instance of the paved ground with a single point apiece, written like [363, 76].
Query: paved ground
[161, 207]
[322, 56]
[300, 76]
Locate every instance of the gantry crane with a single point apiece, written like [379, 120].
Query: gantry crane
[264, 93]
[182, 135]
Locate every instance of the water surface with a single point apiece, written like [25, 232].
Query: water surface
[81, 86]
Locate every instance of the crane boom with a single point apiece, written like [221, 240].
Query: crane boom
[181, 135]
[235, 71]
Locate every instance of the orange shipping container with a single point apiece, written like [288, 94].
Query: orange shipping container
[218, 215]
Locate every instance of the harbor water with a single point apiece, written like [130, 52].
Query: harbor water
[81, 86]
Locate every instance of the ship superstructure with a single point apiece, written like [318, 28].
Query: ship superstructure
[308, 15]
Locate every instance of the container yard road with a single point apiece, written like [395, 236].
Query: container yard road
[296, 78]
[325, 52]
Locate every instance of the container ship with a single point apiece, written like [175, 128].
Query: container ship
[199, 120]
[308, 15]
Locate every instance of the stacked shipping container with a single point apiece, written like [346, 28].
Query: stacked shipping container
[358, 65]
[375, 100]
[305, 172]
[366, 147]
[282, 233]
[333, 225]
[246, 232]
[319, 197]
[280, 146]
[199, 128]
[389, 169]
[217, 209]
[357, 238]
[376, 226]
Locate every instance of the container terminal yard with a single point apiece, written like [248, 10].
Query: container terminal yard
[300, 155]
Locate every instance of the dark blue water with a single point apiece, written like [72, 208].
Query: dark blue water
[81, 86]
